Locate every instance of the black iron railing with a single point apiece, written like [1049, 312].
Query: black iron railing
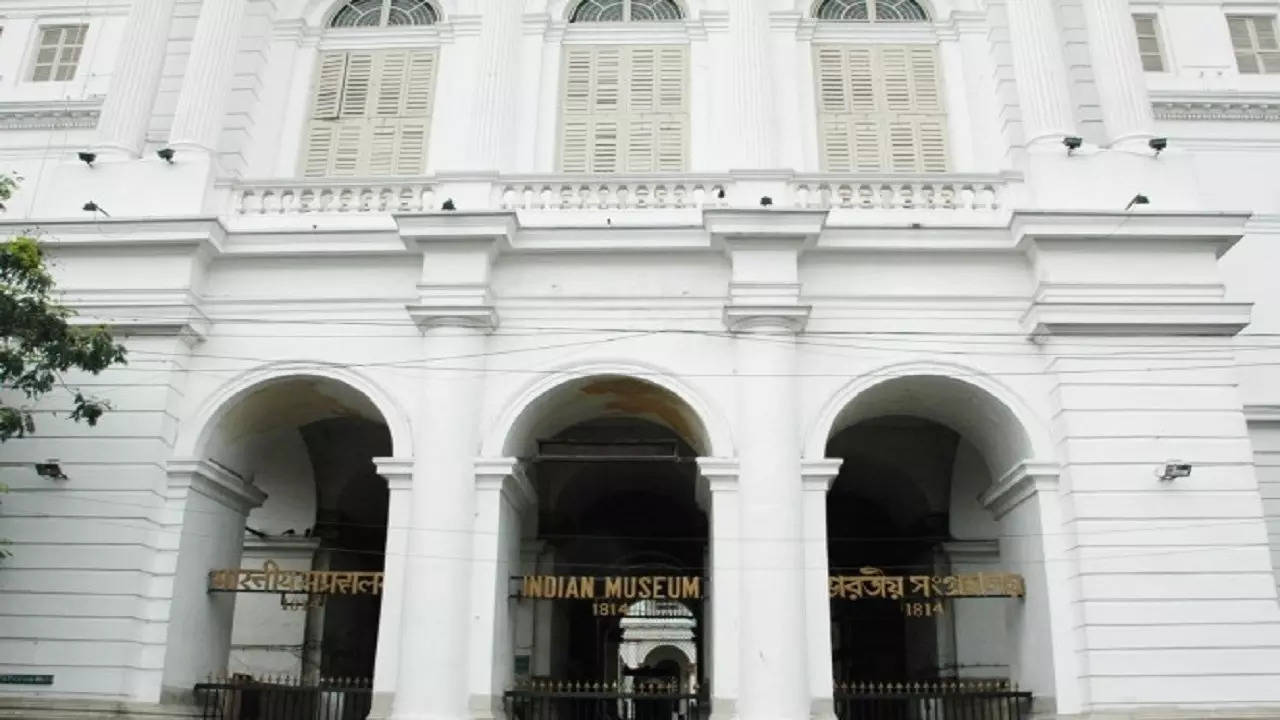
[599, 701]
[937, 700]
[280, 698]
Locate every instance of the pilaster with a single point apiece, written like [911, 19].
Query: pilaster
[816, 477]
[398, 472]
[1041, 71]
[1118, 74]
[206, 86]
[503, 494]
[492, 131]
[718, 497]
[122, 126]
[751, 84]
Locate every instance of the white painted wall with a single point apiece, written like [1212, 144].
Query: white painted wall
[1169, 589]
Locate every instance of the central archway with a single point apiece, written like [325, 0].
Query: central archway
[615, 547]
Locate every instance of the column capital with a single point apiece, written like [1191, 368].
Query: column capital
[818, 474]
[398, 472]
[715, 476]
[1021, 483]
[214, 482]
[507, 477]
[458, 251]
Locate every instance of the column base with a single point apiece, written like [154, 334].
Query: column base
[724, 709]
[822, 709]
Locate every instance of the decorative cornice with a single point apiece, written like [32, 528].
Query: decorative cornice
[740, 317]
[281, 547]
[398, 472]
[1137, 318]
[1262, 413]
[65, 115]
[1020, 484]
[505, 476]
[1214, 106]
[817, 475]
[479, 317]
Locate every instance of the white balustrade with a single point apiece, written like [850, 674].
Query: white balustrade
[984, 193]
[285, 198]
[889, 193]
[624, 194]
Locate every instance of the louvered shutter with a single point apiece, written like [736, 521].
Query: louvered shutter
[624, 109]
[880, 109]
[371, 114]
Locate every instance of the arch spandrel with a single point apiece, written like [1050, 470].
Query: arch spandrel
[985, 412]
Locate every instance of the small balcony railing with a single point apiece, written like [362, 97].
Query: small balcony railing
[852, 194]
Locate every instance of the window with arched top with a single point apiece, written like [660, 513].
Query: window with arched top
[871, 11]
[371, 109]
[626, 11]
[384, 13]
[880, 106]
[624, 108]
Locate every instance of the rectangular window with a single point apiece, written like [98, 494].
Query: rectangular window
[624, 109]
[1148, 29]
[880, 108]
[1255, 42]
[370, 114]
[58, 54]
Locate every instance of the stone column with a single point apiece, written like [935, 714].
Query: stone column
[398, 473]
[1118, 73]
[1041, 71]
[765, 312]
[455, 315]
[750, 74]
[817, 476]
[122, 127]
[432, 676]
[503, 495]
[206, 86]
[492, 124]
[718, 496]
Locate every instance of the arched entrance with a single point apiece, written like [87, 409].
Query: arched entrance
[614, 553]
[302, 553]
[940, 598]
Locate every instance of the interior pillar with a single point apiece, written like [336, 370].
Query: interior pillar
[399, 476]
[817, 477]
[718, 496]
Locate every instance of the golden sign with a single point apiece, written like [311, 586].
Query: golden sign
[319, 582]
[588, 587]
[873, 583]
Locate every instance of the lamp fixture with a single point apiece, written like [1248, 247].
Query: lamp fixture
[448, 205]
[87, 157]
[1138, 199]
[1158, 144]
[766, 201]
[1072, 143]
[50, 469]
[166, 154]
[93, 207]
[1173, 470]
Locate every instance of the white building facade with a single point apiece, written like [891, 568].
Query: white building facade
[771, 294]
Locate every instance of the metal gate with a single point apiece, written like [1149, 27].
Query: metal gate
[595, 701]
[280, 698]
[938, 700]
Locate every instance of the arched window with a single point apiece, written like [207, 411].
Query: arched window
[880, 106]
[871, 11]
[371, 109]
[626, 11]
[384, 13]
[625, 108]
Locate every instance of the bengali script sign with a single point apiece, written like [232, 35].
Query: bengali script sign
[873, 583]
[271, 579]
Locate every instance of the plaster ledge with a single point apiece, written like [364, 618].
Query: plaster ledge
[1216, 106]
